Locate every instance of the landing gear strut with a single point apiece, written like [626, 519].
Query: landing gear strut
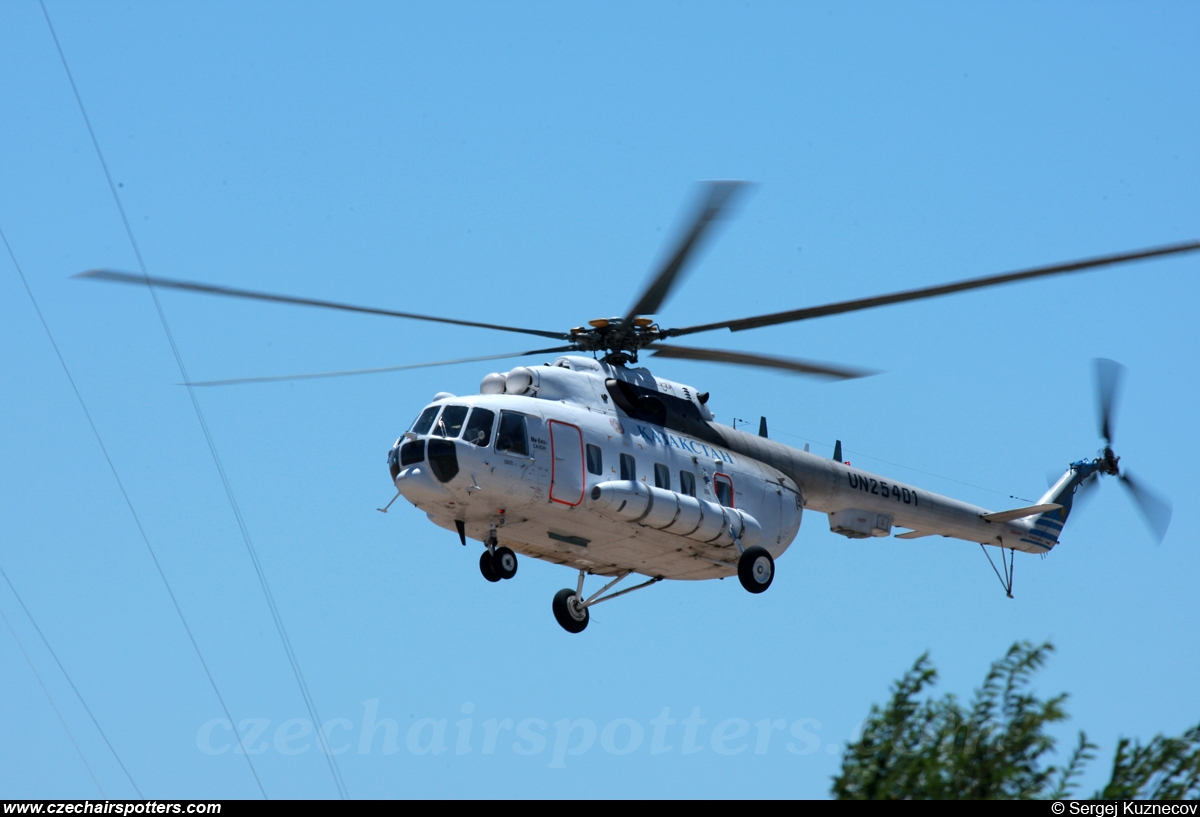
[1006, 581]
[571, 608]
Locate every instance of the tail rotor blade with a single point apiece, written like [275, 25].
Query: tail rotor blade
[1108, 383]
[1155, 509]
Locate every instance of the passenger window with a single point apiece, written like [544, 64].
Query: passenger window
[687, 483]
[662, 476]
[595, 460]
[628, 467]
[425, 421]
[479, 427]
[451, 422]
[723, 485]
[511, 436]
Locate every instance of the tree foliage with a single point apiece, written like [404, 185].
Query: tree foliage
[1163, 769]
[997, 746]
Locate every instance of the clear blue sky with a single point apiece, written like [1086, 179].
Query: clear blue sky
[527, 163]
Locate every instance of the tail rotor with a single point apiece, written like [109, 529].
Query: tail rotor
[1154, 509]
[1108, 382]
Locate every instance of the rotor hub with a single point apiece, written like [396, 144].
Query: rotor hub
[1108, 462]
[619, 339]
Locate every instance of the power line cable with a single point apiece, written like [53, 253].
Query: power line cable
[241, 523]
[50, 698]
[145, 539]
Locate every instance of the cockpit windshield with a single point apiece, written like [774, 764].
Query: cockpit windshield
[451, 422]
[425, 421]
[479, 429]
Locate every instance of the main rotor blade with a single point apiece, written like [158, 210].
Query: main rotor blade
[786, 364]
[1155, 510]
[935, 291]
[276, 378]
[1108, 382]
[211, 289]
[712, 207]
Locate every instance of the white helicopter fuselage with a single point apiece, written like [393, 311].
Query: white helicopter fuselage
[610, 470]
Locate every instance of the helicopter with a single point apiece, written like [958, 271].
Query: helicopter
[597, 464]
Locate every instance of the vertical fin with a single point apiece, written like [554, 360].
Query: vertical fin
[837, 451]
[1045, 528]
[462, 531]
[762, 426]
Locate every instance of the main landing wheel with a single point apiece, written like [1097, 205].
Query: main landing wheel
[504, 563]
[487, 567]
[756, 569]
[569, 615]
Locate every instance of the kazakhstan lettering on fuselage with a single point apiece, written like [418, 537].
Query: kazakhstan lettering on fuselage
[654, 436]
[880, 487]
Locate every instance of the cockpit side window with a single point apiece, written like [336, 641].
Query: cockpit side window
[479, 427]
[512, 435]
[451, 422]
[425, 421]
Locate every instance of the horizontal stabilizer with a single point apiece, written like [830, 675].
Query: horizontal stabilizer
[1020, 513]
[913, 534]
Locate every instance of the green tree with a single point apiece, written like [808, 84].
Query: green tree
[997, 747]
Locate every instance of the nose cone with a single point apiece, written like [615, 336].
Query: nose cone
[418, 482]
[404, 454]
[419, 487]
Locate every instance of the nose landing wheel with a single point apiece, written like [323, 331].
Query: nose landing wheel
[498, 564]
[486, 567]
[504, 562]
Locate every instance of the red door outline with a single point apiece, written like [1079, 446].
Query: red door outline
[718, 477]
[554, 464]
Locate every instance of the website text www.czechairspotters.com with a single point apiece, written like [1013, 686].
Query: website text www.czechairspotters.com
[109, 807]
